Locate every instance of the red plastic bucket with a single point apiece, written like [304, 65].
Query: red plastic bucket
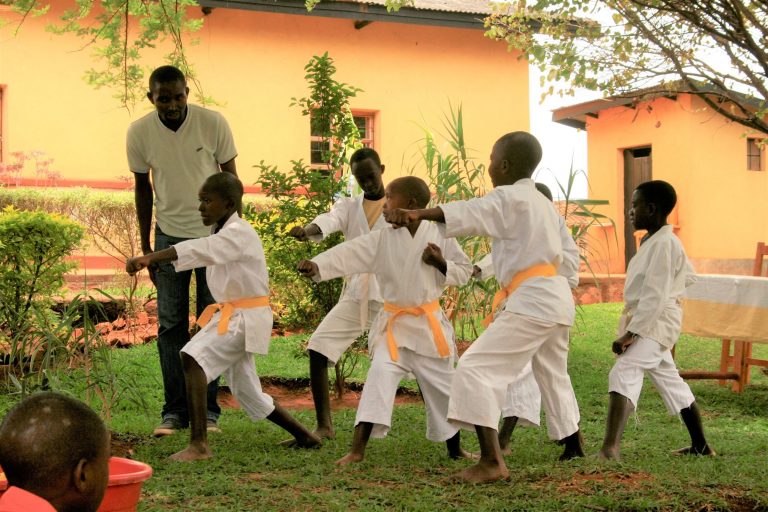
[124, 489]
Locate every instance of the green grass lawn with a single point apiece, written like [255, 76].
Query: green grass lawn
[405, 471]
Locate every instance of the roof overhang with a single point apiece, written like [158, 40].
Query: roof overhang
[576, 116]
[361, 13]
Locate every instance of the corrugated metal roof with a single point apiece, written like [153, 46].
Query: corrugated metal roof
[462, 6]
[448, 13]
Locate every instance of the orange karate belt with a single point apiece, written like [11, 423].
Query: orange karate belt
[227, 308]
[538, 270]
[434, 324]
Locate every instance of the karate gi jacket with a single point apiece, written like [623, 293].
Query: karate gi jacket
[394, 256]
[347, 216]
[525, 231]
[235, 269]
[569, 269]
[656, 279]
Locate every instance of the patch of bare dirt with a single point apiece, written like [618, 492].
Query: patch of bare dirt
[300, 397]
[584, 482]
[123, 444]
[736, 502]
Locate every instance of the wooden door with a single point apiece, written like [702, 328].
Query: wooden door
[637, 169]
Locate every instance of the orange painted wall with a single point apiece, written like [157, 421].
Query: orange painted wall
[722, 207]
[253, 64]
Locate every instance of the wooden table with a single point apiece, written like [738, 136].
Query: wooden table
[730, 308]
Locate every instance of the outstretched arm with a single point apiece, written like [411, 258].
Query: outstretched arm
[357, 256]
[306, 232]
[330, 222]
[399, 217]
[138, 263]
[307, 268]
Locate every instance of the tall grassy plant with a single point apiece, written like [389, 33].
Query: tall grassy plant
[581, 217]
[454, 175]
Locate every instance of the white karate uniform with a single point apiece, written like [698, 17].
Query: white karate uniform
[656, 279]
[523, 399]
[533, 325]
[394, 256]
[236, 269]
[361, 300]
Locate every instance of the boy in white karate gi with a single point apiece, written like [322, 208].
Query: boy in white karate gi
[538, 305]
[360, 301]
[235, 328]
[523, 401]
[650, 323]
[411, 333]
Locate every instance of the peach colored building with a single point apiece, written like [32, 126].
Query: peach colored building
[717, 167]
[251, 58]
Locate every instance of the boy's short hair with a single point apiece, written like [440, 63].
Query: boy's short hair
[660, 193]
[544, 190]
[165, 74]
[225, 184]
[45, 436]
[412, 188]
[364, 154]
[522, 150]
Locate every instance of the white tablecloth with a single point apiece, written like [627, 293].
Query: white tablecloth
[728, 307]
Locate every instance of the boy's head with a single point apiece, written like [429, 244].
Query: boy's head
[57, 448]
[514, 156]
[220, 196]
[168, 92]
[367, 170]
[408, 192]
[544, 190]
[652, 202]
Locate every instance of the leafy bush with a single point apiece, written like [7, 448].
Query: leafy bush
[303, 193]
[109, 217]
[32, 268]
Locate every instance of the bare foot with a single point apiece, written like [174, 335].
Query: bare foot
[481, 474]
[607, 454]
[325, 433]
[309, 440]
[505, 450]
[350, 458]
[464, 454]
[690, 450]
[319, 433]
[192, 452]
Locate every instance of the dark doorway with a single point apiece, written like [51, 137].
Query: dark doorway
[637, 169]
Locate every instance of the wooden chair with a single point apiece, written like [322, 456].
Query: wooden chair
[741, 360]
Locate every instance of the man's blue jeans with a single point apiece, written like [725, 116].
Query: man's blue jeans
[173, 332]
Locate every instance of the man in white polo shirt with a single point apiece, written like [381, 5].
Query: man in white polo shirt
[181, 145]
